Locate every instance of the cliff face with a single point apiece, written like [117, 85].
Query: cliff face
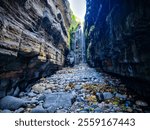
[118, 36]
[33, 40]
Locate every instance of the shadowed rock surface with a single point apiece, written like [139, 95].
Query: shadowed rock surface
[117, 36]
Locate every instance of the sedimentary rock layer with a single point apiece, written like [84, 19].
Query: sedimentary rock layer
[33, 40]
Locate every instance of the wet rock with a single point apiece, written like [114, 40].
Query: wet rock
[20, 110]
[50, 86]
[58, 99]
[104, 96]
[78, 87]
[141, 103]
[16, 92]
[139, 110]
[74, 94]
[80, 99]
[21, 94]
[47, 91]
[108, 95]
[6, 111]
[41, 97]
[83, 111]
[38, 88]
[67, 88]
[38, 109]
[129, 110]
[97, 110]
[51, 109]
[121, 96]
[32, 94]
[86, 109]
[94, 106]
[61, 111]
[11, 103]
[75, 106]
[33, 101]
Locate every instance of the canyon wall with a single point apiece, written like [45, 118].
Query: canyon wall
[33, 41]
[118, 37]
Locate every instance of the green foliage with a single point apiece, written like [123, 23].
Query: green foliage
[74, 23]
[73, 27]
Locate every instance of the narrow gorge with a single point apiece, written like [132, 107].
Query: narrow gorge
[51, 62]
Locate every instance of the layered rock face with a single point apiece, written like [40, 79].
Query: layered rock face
[33, 40]
[118, 36]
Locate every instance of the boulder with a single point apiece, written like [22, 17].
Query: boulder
[104, 96]
[38, 109]
[141, 103]
[121, 96]
[58, 99]
[12, 103]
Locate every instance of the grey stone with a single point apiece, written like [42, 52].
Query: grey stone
[108, 95]
[141, 103]
[38, 109]
[74, 94]
[20, 110]
[11, 103]
[21, 94]
[32, 94]
[104, 96]
[94, 106]
[78, 87]
[16, 92]
[51, 109]
[87, 109]
[41, 97]
[61, 111]
[80, 99]
[58, 99]
[6, 111]
[97, 110]
[121, 96]
[83, 111]
[47, 91]
[33, 101]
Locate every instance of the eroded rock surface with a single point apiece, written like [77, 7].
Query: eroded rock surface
[118, 36]
[33, 40]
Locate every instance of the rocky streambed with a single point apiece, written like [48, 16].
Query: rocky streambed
[80, 89]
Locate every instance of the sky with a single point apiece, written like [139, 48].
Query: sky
[79, 8]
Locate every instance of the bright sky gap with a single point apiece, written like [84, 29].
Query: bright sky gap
[79, 8]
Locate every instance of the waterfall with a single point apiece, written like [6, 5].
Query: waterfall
[77, 54]
[83, 47]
